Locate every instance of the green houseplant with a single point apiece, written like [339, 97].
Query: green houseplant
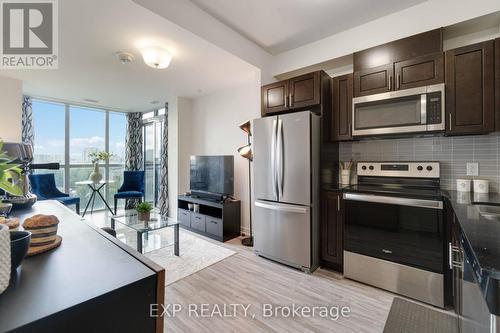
[10, 174]
[144, 211]
[96, 157]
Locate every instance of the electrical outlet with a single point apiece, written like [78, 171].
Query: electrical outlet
[473, 169]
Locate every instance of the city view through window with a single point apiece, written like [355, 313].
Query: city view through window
[88, 130]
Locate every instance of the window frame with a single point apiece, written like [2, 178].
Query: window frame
[67, 165]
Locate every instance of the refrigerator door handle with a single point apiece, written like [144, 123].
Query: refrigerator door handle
[281, 207]
[280, 158]
[273, 160]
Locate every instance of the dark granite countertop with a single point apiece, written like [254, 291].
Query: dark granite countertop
[481, 233]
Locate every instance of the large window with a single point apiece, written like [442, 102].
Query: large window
[68, 134]
[49, 133]
[153, 134]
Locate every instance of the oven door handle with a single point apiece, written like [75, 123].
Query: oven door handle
[421, 203]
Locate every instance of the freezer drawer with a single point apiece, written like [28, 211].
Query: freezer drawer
[282, 232]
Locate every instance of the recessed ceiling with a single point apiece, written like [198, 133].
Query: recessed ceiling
[90, 34]
[282, 25]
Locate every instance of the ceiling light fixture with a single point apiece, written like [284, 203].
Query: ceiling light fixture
[156, 57]
[124, 57]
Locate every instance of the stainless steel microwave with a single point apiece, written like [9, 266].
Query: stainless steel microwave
[413, 110]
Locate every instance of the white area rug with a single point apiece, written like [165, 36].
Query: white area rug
[195, 252]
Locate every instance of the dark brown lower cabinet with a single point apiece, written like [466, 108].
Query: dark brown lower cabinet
[332, 230]
[470, 89]
[342, 89]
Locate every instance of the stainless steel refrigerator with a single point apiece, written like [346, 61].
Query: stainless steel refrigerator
[286, 178]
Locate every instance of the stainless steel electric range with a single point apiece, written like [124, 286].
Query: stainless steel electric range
[394, 229]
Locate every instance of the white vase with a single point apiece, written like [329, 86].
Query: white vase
[4, 257]
[96, 176]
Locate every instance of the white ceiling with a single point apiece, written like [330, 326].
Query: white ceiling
[90, 31]
[282, 25]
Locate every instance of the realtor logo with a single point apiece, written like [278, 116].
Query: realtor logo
[29, 34]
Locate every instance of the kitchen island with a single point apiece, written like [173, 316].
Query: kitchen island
[91, 283]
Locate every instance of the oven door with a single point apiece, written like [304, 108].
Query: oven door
[401, 230]
[390, 113]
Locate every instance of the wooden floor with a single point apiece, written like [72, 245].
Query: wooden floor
[246, 278]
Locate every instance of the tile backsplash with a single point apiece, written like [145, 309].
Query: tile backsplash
[452, 152]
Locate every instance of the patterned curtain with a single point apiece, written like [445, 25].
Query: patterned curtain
[133, 142]
[133, 148]
[27, 135]
[163, 200]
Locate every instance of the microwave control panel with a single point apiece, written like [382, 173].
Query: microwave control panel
[434, 100]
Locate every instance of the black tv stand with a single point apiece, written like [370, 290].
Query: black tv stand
[219, 220]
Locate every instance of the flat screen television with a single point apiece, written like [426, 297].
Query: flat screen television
[212, 175]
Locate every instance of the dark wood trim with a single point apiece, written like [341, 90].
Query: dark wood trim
[399, 50]
[497, 84]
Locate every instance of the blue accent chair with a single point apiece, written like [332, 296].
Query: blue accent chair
[132, 187]
[44, 186]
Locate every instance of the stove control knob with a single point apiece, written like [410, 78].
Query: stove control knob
[420, 168]
[363, 167]
[371, 167]
[429, 168]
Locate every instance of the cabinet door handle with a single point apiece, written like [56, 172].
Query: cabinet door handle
[399, 81]
[286, 99]
[450, 256]
[338, 203]
[390, 82]
[450, 121]
[290, 99]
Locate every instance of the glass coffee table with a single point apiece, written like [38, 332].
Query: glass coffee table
[156, 222]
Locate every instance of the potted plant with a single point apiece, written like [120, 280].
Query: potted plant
[10, 174]
[96, 175]
[144, 211]
[9, 177]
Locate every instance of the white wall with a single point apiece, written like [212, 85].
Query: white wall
[426, 16]
[11, 95]
[184, 107]
[173, 156]
[209, 126]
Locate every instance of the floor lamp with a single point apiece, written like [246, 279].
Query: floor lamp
[246, 152]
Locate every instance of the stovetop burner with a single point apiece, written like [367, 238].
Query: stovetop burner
[404, 179]
[394, 190]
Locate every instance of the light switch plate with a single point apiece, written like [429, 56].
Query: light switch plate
[473, 169]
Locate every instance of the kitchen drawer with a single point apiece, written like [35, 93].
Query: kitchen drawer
[184, 217]
[214, 226]
[198, 221]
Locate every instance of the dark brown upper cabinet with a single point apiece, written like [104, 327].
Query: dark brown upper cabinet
[497, 84]
[304, 90]
[275, 97]
[405, 63]
[310, 90]
[332, 229]
[373, 80]
[420, 71]
[470, 89]
[342, 91]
